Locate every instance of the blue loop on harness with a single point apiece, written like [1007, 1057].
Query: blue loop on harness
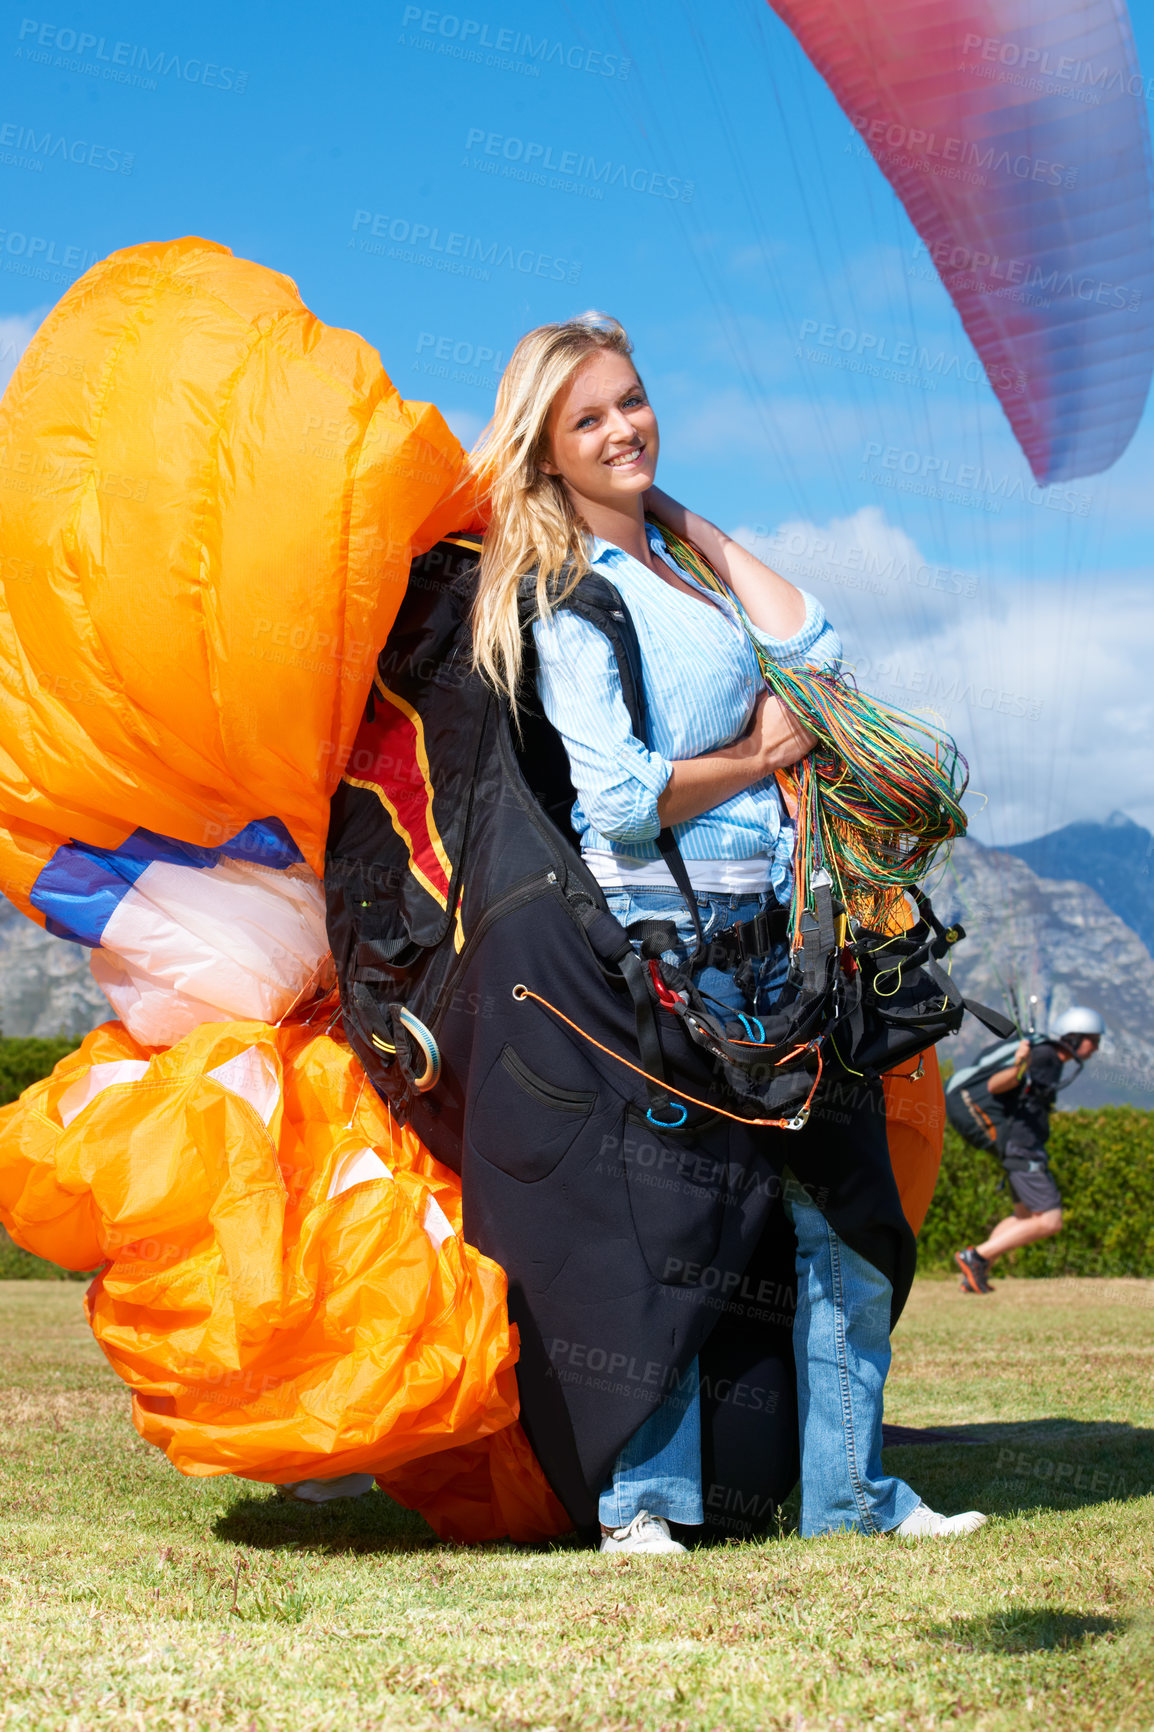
[746, 1021]
[669, 1124]
[428, 1049]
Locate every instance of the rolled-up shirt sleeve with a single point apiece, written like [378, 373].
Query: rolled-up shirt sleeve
[617, 778]
[814, 644]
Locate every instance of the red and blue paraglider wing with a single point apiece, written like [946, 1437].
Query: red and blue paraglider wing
[1015, 136]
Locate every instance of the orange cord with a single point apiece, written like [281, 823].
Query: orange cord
[522, 992]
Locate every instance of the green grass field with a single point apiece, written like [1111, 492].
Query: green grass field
[136, 1599]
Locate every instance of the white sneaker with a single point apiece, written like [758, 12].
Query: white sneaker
[925, 1523]
[324, 1490]
[645, 1533]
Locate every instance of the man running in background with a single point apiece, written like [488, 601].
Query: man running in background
[1028, 1088]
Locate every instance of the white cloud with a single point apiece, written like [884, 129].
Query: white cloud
[16, 331]
[1045, 682]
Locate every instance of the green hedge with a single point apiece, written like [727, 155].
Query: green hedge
[23, 1062]
[1103, 1161]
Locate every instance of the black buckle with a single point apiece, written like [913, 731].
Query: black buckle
[653, 937]
[765, 930]
[750, 939]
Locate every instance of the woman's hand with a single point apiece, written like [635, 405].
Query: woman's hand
[773, 603]
[777, 740]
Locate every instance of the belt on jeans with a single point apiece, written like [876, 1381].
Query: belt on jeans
[750, 938]
[728, 948]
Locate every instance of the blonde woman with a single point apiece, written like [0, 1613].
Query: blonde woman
[569, 463]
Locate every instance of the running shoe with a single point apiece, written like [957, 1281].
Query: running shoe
[975, 1271]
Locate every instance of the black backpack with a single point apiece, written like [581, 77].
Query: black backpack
[977, 1115]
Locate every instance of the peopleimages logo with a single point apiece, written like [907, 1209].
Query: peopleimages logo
[964, 483]
[452, 250]
[542, 159]
[50, 146]
[962, 267]
[463, 353]
[945, 152]
[1042, 63]
[458, 361]
[40, 256]
[122, 63]
[908, 358]
[825, 555]
[478, 41]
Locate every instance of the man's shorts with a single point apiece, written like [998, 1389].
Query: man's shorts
[1031, 1181]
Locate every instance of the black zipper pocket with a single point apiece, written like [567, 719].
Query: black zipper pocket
[528, 890]
[549, 1094]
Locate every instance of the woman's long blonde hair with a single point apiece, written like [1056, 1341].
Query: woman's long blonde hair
[533, 522]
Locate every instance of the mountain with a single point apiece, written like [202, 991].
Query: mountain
[1115, 858]
[1059, 940]
[45, 986]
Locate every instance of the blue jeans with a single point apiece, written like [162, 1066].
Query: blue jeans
[841, 1328]
[841, 1346]
[660, 1467]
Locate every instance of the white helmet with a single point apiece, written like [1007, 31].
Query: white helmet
[1078, 1020]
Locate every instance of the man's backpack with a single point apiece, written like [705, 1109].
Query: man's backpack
[978, 1116]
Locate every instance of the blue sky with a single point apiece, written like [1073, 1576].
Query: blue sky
[744, 221]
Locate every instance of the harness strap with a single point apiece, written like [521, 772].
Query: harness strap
[818, 939]
[652, 937]
[749, 939]
[992, 1019]
[944, 936]
[672, 856]
[613, 946]
[1080, 1065]
[636, 976]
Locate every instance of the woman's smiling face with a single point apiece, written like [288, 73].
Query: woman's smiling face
[602, 432]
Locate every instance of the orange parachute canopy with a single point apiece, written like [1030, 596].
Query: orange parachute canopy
[285, 1287]
[212, 502]
[915, 1132]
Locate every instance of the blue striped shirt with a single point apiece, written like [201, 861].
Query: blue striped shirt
[701, 679]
